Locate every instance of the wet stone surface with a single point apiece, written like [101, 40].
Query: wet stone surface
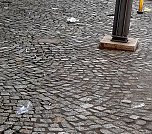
[73, 86]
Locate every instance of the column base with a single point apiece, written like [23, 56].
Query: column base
[106, 43]
[140, 12]
[119, 39]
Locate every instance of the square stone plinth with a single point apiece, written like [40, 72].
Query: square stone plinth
[106, 43]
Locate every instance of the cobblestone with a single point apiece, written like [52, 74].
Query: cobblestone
[149, 126]
[55, 129]
[140, 122]
[74, 87]
[105, 131]
[134, 117]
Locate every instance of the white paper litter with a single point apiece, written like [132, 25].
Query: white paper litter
[72, 20]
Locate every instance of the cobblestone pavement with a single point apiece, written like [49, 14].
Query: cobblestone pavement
[74, 87]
